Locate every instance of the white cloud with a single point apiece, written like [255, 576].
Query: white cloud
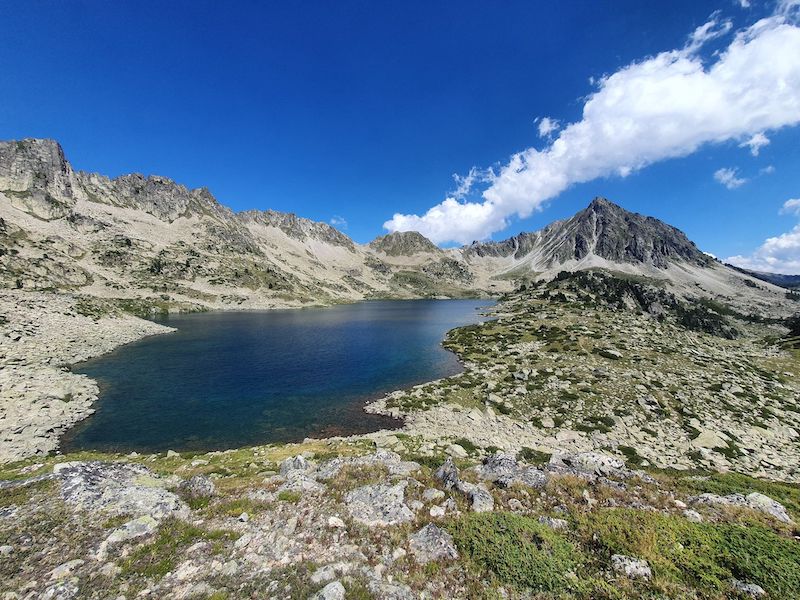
[780, 254]
[339, 222]
[768, 170]
[791, 207]
[465, 183]
[744, 3]
[661, 107]
[547, 127]
[755, 143]
[728, 178]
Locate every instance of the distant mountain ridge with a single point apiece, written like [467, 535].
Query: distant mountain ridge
[151, 239]
[790, 282]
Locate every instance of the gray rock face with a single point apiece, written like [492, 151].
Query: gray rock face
[631, 567]
[447, 473]
[403, 243]
[298, 227]
[382, 458]
[35, 176]
[478, 495]
[505, 471]
[295, 463]
[605, 230]
[117, 489]
[590, 463]
[432, 543]
[379, 505]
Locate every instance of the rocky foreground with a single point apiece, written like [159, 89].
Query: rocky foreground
[342, 520]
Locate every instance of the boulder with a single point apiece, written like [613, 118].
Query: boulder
[332, 591]
[117, 488]
[432, 543]
[198, 486]
[379, 505]
[633, 568]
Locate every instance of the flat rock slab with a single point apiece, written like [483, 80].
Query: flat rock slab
[116, 488]
[379, 505]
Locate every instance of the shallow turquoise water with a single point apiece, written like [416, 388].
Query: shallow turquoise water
[229, 379]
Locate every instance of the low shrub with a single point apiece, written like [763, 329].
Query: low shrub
[517, 550]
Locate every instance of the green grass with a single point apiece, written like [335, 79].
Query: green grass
[703, 556]
[466, 445]
[289, 496]
[517, 550]
[735, 483]
[161, 556]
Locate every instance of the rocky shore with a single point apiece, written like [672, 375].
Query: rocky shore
[41, 335]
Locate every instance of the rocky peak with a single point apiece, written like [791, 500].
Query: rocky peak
[615, 234]
[403, 243]
[603, 229]
[159, 196]
[36, 177]
[298, 227]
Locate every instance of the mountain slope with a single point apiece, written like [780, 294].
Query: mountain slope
[154, 241]
[149, 238]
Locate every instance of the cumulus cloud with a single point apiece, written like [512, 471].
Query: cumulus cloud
[339, 222]
[779, 254]
[755, 143]
[791, 207]
[768, 170]
[728, 178]
[744, 3]
[661, 107]
[547, 127]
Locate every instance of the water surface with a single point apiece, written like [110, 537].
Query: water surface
[229, 379]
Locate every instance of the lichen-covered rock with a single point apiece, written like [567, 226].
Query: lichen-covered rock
[117, 489]
[631, 567]
[505, 471]
[432, 543]
[379, 505]
[753, 501]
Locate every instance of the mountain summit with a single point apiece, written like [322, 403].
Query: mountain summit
[603, 230]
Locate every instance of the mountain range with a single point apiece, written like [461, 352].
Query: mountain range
[151, 240]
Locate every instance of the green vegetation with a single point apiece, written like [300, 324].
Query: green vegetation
[703, 556]
[159, 557]
[533, 457]
[517, 550]
[289, 496]
[735, 483]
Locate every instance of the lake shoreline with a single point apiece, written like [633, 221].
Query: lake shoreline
[44, 335]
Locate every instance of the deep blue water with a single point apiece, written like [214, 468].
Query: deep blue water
[229, 379]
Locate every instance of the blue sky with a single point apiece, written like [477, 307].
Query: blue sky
[361, 110]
